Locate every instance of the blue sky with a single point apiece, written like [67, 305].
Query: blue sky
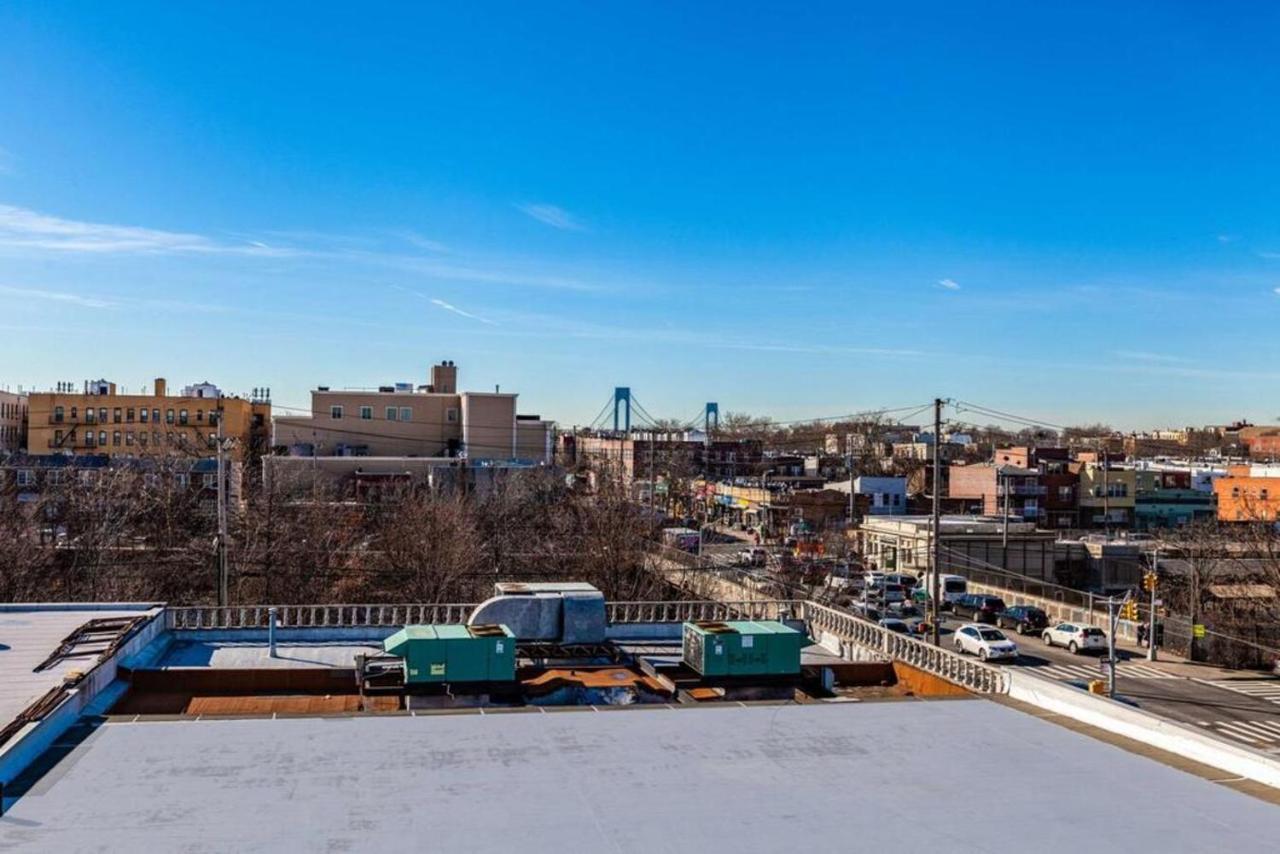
[1065, 210]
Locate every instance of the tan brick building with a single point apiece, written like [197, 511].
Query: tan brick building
[13, 421]
[433, 420]
[98, 420]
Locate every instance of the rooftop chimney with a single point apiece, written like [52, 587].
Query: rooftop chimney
[444, 377]
[161, 387]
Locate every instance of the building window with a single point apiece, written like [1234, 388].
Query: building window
[155, 415]
[335, 411]
[366, 413]
[89, 417]
[57, 414]
[128, 438]
[115, 437]
[169, 438]
[73, 413]
[142, 415]
[181, 479]
[451, 415]
[168, 416]
[128, 414]
[57, 437]
[142, 438]
[210, 481]
[102, 438]
[199, 416]
[182, 416]
[116, 415]
[26, 477]
[406, 414]
[213, 441]
[102, 415]
[391, 413]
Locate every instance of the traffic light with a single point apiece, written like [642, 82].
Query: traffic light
[1129, 611]
[1149, 581]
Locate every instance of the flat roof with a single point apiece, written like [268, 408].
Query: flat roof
[29, 634]
[936, 775]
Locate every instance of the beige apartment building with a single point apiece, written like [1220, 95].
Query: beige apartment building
[13, 422]
[98, 420]
[432, 420]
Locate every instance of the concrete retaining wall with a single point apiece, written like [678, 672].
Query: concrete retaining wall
[1058, 612]
[1118, 718]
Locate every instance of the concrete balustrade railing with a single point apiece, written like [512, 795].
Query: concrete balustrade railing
[362, 616]
[966, 672]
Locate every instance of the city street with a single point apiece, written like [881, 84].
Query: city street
[1244, 707]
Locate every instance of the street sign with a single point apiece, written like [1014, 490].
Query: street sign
[1197, 630]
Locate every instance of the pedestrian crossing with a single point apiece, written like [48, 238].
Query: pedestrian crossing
[1261, 689]
[1260, 734]
[1078, 672]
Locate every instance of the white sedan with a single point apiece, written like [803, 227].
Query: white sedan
[1075, 637]
[985, 642]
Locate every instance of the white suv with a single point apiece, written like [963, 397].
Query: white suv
[1075, 638]
[985, 642]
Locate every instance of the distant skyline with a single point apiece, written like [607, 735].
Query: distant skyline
[1064, 211]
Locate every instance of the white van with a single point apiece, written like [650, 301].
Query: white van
[952, 586]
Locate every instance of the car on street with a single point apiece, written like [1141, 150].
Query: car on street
[907, 581]
[979, 607]
[895, 625]
[1075, 637]
[914, 617]
[985, 642]
[1023, 619]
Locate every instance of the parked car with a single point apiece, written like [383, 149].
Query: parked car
[914, 617]
[754, 556]
[1075, 637]
[979, 607]
[1023, 619]
[907, 581]
[985, 642]
[867, 612]
[889, 594]
[895, 625]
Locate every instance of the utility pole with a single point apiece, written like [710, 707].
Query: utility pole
[850, 463]
[223, 599]
[1106, 494]
[1113, 619]
[936, 579]
[1004, 533]
[1153, 579]
[651, 484]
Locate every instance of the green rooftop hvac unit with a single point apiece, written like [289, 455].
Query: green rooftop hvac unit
[454, 653]
[742, 648]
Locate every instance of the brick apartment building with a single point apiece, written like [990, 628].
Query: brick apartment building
[1249, 493]
[431, 420]
[13, 421]
[99, 420]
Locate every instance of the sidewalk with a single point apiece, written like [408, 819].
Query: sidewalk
[1177, 665]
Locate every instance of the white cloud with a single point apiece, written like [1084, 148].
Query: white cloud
[453, 308]
[551, 215]
[21, 228]
[1226, 238]
[1144, 356]
[948, 284]
[424, 243]
[1276, 291]
[56, 296]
